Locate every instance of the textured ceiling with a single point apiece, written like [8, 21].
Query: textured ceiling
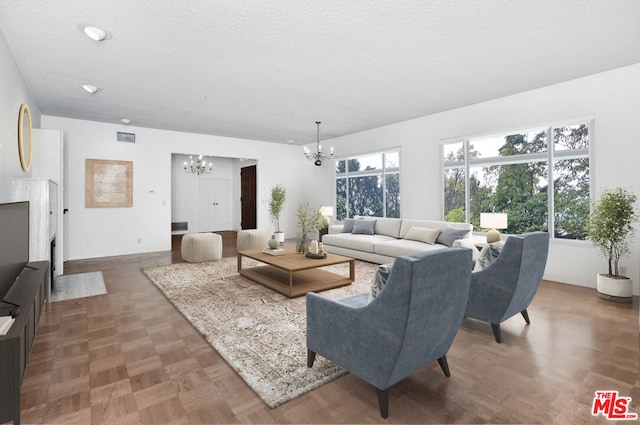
[267, 70]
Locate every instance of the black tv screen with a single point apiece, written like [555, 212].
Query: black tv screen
[14, 245]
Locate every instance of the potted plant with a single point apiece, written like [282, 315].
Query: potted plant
[309, 220]
[610, 228]
[278, 196]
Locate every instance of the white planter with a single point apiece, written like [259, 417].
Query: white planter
[618, 289]
[279, 236]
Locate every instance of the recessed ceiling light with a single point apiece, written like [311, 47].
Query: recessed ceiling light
[89, 88]
[95, 33]
[125, 120]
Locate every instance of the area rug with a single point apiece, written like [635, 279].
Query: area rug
[259, 332]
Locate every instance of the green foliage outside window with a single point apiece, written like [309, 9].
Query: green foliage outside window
[366, 190]
[514, 179]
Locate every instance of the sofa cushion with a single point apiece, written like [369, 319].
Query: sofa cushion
[347, 227]
[363, 227]
[407, 224]
[398, 247]
[450, 234]
[488, 254]
[423, 234]
[336, 228]
[356, 242]
[388, 227]
[379, 280]
[384, 225]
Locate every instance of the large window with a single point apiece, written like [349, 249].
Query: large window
[539, 177]
[368, 185]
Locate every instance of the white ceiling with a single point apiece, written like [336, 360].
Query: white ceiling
[267, 70]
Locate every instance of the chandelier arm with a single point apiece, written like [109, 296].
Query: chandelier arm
[199, 166]
[318, 156]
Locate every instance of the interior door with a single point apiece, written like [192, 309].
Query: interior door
[215, 208]
[248, 202]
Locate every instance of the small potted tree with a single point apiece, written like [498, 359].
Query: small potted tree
[278, 196]
[309, 221]
[610, 228]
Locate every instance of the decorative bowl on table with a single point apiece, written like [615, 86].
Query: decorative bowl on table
[315, 256]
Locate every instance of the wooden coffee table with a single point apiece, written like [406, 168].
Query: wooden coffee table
[293, 274]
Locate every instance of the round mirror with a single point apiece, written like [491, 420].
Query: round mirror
[24, 131]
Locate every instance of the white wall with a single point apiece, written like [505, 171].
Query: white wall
[612, 97]
[13, 93]
[99, 232]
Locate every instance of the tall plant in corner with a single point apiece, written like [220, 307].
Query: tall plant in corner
[278, 196]
[611, 229]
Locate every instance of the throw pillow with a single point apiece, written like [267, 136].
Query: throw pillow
[363, 227]
[450, 234]
[423, 234]
[379, 280]
[347, 226]
[488, 255]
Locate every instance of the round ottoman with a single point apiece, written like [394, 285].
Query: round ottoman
[201, 247]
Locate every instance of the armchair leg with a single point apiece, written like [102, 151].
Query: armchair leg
[526, 316]
[496, 332]
[311, 357]
[383, 402]
[442, 361]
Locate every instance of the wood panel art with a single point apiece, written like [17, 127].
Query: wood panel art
[109, 183]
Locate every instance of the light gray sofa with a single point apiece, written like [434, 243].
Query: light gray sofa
[389, 239]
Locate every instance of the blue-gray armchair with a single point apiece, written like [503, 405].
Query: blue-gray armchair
[411, 323]
[507, 286]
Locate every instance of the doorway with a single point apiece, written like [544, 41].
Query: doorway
[248, 203]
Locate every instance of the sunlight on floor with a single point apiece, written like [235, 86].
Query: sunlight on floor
[78, 285]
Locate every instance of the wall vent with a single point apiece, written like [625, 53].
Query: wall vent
[126, 137]
[179, 225]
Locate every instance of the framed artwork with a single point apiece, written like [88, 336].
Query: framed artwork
[108, 183]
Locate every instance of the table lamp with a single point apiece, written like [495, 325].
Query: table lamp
[493, 221]
[327, 213]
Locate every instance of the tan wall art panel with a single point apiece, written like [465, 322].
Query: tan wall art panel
[109, 183]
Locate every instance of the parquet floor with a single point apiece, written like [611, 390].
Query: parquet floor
[129, 357]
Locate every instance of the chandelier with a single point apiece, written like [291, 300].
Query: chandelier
[199, 166]
[318, 156]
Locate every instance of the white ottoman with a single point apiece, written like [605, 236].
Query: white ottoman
[252, 239]
[201, 247]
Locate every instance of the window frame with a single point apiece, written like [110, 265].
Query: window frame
[550, 156]
[380, 173]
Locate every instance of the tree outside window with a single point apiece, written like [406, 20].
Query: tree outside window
[368, 185]
[512, 174]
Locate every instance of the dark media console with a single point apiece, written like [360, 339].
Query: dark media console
[25, 300]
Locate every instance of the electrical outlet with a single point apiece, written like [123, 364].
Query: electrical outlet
[139, 240]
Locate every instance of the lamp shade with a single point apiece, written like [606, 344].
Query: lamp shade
[326, 211]
[493, 220]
